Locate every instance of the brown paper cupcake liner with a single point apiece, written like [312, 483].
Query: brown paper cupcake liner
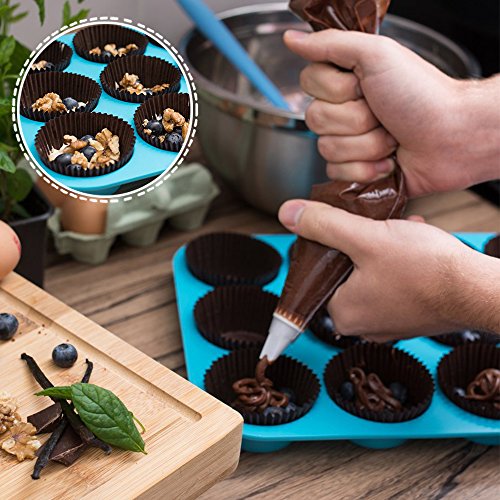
[460, 367]
[391, 365]
[52, 133]
[58, 53]
[467, 337]
[153, 108]
[285, 372]
[235, 317]
[102, 34]
[322, 327]
[232, 259]
[150, 70]
[492, 247]
[79, 87]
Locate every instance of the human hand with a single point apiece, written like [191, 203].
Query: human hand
[444, 132]
[409, 278]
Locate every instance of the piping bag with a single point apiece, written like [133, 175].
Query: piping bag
[316, 271]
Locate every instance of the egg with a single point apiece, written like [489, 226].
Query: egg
[10, 249]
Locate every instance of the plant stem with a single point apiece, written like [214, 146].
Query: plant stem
[79, 427]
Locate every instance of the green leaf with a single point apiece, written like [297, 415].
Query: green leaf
[20, 16]
[7, 147]
[20, 211]
[19, 185]
[41, 10]
[106, 416]
[4, 9]
[6, 163]
[7, 47]
[5, 106]
[69, 18]
[62, 392]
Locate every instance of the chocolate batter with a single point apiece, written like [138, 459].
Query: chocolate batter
[371, 393]
[257, 394]
[486, 387]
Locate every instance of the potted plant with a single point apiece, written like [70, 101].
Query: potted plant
[22, 205]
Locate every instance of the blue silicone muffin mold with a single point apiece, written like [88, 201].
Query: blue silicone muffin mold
[147, 161]
[327, 421]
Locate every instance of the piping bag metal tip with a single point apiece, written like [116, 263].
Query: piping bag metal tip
[281, 334]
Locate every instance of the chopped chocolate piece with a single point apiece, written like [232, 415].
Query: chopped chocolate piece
[69, 448]
[46, 420]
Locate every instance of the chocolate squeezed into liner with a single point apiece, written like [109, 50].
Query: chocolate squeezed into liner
[492, 247]
[79, 87]
[486, 387]
[460, 368]
[284, 372]
[155, 106]
[102, 34]
[57, 53]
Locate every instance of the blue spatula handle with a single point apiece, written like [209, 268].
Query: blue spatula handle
[216, 31]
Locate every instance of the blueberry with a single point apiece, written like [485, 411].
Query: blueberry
[155, 126]
[88, 152]
[470, 336]
[106, 53]
[63, 160]
[273, 411]
[175, 141]
[399, 391]
[178, 130]
[288, 392]
[458, 391]
[291, 407]
[49, 66]
[347, 391]
[8, 326]
[87, 138]
[70, 103]
[148, 92]
[64, 355]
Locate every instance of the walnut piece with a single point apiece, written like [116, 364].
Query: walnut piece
[96, 51]
[8, 414]
[20, 441]
[50, 102]
[172, 119]
[104, 136]
[79, 158]
[111, 48]
[185, 129]
[39, 65]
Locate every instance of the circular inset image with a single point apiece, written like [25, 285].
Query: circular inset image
[103, 111]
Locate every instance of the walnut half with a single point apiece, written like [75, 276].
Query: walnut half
[8, 412]
[20, 441]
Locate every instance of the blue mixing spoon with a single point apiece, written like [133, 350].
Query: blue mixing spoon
[216, 31]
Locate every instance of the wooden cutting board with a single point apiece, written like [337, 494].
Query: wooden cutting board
[192, 439]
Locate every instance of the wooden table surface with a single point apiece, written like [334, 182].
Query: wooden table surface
[133, 296]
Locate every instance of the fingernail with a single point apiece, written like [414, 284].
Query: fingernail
[290, 213]
[384, 166]
[296, 35]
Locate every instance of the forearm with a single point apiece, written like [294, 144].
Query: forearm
[475, 293]
[476, 128]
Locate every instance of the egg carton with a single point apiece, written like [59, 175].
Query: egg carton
[184, 199]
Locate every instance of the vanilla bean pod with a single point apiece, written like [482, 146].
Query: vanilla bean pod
[79, 427]
[48, 447]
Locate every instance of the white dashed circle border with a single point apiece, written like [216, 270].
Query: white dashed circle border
[159, 180]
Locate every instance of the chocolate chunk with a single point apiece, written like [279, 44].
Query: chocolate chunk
[69, 448]
[46, 420]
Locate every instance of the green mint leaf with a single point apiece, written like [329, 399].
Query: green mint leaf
[7, 47]
[41, 10]
[19, 185]
[62, 392]
[6, 163]
[106, 416]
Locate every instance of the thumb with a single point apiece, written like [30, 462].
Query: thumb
[347, 49]
[330, 226]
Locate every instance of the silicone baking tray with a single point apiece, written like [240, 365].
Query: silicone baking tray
[147, 161]
[327, 421]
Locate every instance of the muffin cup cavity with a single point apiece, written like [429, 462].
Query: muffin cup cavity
[154, 107]
[235, 317]
[391, 365]
[150, 70]
[80, 124]
[284, 372]
[232, 259]
[102, 34]
[57, 53]
[460, 367]
[79, 87]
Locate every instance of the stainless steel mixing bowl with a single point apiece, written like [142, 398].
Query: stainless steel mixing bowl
[267, 154]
